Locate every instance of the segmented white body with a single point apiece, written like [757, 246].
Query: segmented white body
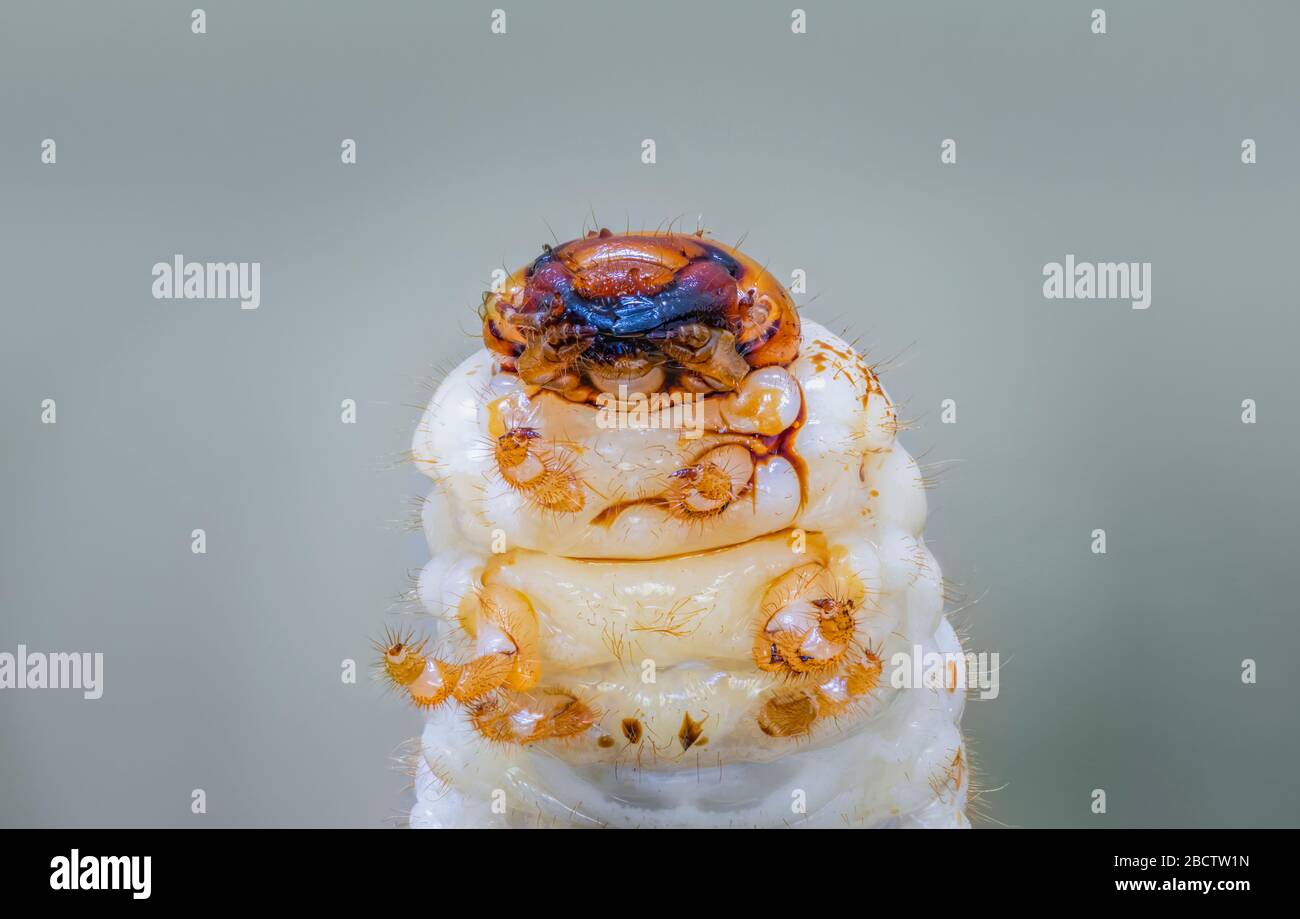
[651, 617]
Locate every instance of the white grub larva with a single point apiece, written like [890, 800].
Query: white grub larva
[624, 603]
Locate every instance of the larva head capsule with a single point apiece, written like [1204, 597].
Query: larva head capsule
[645, 311]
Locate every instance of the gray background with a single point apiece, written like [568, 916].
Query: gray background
[222, 671]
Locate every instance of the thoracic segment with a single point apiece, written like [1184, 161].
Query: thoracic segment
[557, 476]
[734, 589]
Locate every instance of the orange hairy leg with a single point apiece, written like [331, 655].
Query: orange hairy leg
[426, 680]
[528, 717]
[804, 627]
[708, 487]
[529, 469]
[794, 712]
[805, 634]
[504, 629]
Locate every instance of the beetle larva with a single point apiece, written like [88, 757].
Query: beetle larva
[677, 558]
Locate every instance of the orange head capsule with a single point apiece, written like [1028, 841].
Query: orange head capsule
[641, 310]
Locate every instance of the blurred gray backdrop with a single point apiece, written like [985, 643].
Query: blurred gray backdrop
[222, 671]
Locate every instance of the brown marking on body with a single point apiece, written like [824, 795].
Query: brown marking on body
[690, 731]
[632, 730]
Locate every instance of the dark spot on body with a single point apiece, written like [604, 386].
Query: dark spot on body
[690, 731]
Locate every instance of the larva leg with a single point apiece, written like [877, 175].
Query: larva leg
[527, 467]
[503, 628]
[525, 718]
[709, 486]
